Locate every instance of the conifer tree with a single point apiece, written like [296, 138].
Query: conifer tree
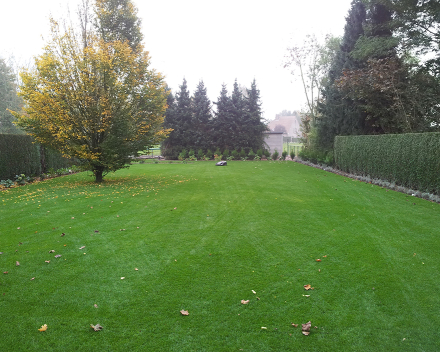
[8, 98]
[254, 124]
[222, 122]
[202, 116]
[338, 114]
[184, 121]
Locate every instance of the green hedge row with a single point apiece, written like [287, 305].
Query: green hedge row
[18, 155]
[411, 159]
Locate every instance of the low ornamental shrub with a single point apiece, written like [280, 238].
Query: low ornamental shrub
[275, 155]
[234, 154]
[284, 155]
[292, 154]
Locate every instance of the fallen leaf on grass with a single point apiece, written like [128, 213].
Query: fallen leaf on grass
[33, 278]
[122, 278]
[1, 252]
[264, 328]
[96, 327]
[47, 261]
[306, 295]
[306, 328]
[58, 255]
[136, 269]
[43, 327]
[184, 312]
[5, 272]
[254, 292]
[17, 263]
[324, 256]
[52, 251]
[82, 247]
[318, 260]
[244, 302]
[63, 234]
[294, 325]
[308, 287]
[95, 305]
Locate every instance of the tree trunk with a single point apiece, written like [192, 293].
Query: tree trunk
[98, 174]
[43, 164]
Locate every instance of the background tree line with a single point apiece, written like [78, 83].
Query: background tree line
[383, 76]
[236, 123]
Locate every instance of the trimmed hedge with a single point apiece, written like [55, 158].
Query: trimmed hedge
[19, 155]
[410, 159]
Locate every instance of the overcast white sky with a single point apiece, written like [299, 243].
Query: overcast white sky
[213, 41]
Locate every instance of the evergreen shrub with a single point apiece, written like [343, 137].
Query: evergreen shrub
[235, 154]
[19, 155]
[411, 160]
[209, 154]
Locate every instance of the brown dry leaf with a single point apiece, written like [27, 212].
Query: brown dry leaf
[308, 287]
[58, 255]
[96, 327]
[95, 305]
[324, 256]
[294, 325]
[47, 261]
[244, 302]
[5, 272]
[184, 312]
[306, 328]
[82, 247]
[17, 263]
[63, 234]
[318, 260]
[43, 327]
[136, 269]
[52, 251]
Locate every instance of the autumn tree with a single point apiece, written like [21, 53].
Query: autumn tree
[93, 97]
[310, 62]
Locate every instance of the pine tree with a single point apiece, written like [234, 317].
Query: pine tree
[169, 146]
[184, 119]
[202, 116]
[222, 123]
[255, 125]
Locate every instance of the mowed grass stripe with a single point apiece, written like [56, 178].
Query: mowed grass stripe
[202, 237]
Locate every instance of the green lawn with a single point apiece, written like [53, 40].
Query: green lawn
[202, 238]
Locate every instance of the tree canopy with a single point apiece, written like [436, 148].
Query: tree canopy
[94, 96]
[235, 124]
[8, 98]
